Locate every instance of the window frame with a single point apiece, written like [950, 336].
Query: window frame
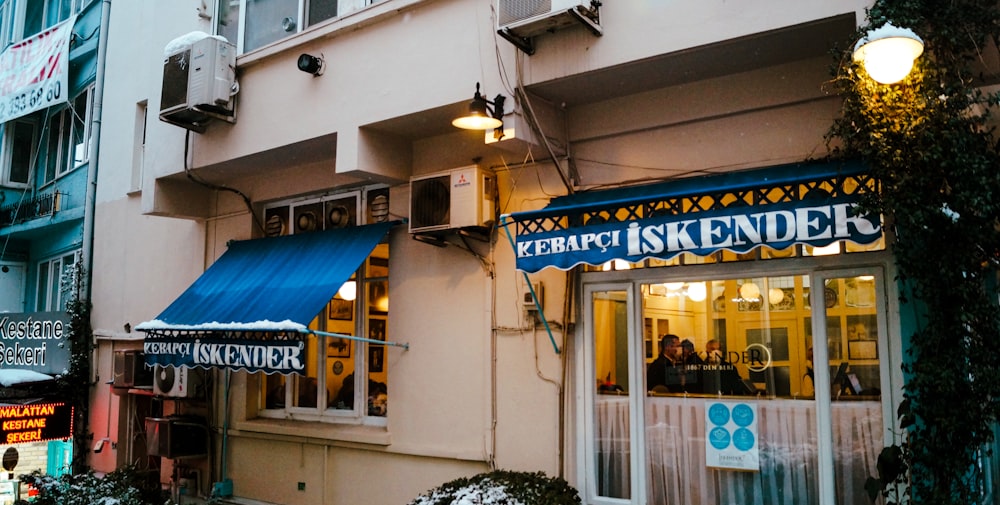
[11, 146]
[323, 411]
[877, 264]
[53, 268]
[301, 22]
[46, 19]
[61, 135]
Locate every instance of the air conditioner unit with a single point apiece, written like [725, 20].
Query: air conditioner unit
[519, 20]
[199, 81]
[130, 370]
[457, 198]
[176, 437]
[177, 382]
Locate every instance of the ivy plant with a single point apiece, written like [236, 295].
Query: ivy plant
[931, 142]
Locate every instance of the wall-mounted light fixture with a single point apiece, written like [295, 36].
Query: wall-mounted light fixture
[311, 64]
[887, 53]
[481, 116]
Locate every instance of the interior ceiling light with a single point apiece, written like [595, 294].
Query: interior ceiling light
[481, 116]
[697, 292]
[775, 296]
[887, 53]
[749, 291]
[348, 291]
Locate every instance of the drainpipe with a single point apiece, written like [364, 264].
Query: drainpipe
[90, 201]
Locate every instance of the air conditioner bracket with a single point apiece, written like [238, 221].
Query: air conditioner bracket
[589, 18]
[525, 44]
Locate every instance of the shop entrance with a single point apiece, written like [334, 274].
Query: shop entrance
[724, 388]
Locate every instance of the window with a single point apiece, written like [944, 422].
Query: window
[254, 24]
[329, 389]
[6, 22]
[20, 142]
[41, 14]
[68, 143]
[55, 282]
[721, 373]
[138, 145]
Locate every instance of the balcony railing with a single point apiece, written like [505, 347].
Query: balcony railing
[30, 208]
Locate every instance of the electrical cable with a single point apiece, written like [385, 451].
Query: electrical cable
[218, 187]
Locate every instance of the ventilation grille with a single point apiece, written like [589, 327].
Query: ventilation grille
[512, 11]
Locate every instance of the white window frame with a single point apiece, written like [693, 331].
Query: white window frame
[50, 289]
[63, 124]
[7, 12]
[301, 21]
[359, 350]
[17, 27]
[630, 281]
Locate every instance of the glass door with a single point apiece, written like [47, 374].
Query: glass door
[850, 381]
[610, 429]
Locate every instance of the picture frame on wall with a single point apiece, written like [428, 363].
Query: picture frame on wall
[338, 347]
[376, 329]
[376, 359]
[341, 310]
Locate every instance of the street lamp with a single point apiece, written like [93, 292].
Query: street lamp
[887, 53]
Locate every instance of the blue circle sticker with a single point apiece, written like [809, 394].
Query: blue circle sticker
[718, 414]
[743, 439]
[742, 415]
[719, 438]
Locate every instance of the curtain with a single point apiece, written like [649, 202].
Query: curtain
[675, 452]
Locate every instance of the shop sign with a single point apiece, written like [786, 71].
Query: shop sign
[34, 73]
[778, 226]
[269, 356]
[36, 341]
[35, 423]
[731, 440]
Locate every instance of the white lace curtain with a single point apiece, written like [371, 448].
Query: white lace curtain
[675, 453]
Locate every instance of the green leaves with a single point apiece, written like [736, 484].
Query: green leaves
[930, 142]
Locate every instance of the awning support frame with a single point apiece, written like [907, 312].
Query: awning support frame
[534, 296]
[405, 346]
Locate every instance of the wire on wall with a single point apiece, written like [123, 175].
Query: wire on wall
[218, 187]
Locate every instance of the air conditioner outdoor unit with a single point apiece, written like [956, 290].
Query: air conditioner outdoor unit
[130, 370]
[457, 198]
[519, 20]
[176, 382]
[199, 81]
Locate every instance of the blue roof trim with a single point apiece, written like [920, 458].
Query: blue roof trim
[732, 181]
[270, 284]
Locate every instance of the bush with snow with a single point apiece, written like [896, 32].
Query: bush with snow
[124, 486]
[502, 487]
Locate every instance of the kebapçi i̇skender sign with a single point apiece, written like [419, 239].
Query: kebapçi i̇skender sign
[35, 423]
[36, 341]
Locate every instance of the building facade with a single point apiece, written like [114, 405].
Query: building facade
[50, 60]
[272, 172]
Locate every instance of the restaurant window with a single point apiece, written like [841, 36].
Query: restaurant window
[726, 377]
[272, 20]
[330, 389]
[55, 282]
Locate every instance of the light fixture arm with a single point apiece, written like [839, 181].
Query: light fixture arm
[496, 111]
[484, 114]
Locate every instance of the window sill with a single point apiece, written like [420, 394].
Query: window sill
[315, 432]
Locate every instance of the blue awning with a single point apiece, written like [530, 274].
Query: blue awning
[806, 203]
[271, 284]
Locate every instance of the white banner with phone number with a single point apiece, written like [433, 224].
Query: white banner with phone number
[34, 73]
